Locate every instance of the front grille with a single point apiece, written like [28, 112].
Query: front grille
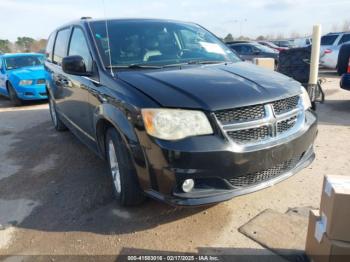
[249, 135]
[248, 113]
[43, 94]
[285, 125]
[40, 81]
[285, 105]
[262, 176]
[251, 125]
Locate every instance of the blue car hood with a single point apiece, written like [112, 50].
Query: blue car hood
[34, 72]
[212, 87]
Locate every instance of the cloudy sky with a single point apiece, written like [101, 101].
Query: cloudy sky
[37, 18]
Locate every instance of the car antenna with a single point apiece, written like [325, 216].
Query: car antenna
[108, 43]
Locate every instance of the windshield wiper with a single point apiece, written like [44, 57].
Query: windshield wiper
[205, 62]
[134, 66]
[197, 62]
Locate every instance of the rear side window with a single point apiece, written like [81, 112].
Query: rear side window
[49, 47]
[328, 39]
[60, 50]
[237, 48]
[78, 46]
[344, 39]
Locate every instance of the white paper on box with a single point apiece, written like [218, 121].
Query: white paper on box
[320, 229]
[332, 182]
[324, 220]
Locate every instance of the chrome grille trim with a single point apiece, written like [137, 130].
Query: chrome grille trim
[242, 114]
[281, 126]
[285, 105]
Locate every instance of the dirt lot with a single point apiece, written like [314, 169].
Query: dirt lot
[55, 198]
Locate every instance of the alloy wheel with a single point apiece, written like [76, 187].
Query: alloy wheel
[114, 166]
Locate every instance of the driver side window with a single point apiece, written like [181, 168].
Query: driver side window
[246, 50]
[78, 46]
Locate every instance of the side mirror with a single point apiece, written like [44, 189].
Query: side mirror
[74, 65]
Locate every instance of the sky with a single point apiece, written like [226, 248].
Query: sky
[37, 18]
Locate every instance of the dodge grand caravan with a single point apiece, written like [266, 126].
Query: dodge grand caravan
[176, 114]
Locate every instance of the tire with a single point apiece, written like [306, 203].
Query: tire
[13, 95]
[343, 59]
[122, 173]
[57, 122]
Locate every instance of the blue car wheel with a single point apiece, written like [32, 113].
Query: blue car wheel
[13, 95]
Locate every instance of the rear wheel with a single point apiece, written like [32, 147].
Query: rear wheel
[13, 95]
[122, 172]
[58, 124]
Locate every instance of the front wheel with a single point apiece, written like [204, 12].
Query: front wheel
[58, 124]
[123, 176]
[13, 96]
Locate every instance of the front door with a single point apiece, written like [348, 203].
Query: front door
[77, 102]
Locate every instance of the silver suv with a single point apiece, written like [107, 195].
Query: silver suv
[334, 39]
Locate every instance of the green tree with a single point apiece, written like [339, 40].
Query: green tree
[228, 38]
[5, 46]
[24, 43]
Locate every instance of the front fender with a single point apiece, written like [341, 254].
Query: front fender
[14, 80]
[110, 115]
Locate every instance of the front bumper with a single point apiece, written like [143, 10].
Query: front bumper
[212, 163]
[32, 92]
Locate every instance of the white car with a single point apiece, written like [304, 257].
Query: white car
[329, 57]
[330, 45]
[302, 41]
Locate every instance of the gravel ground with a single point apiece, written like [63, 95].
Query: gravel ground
[55, 198]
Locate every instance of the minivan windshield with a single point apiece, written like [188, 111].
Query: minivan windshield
[14, 62]
[157, 43]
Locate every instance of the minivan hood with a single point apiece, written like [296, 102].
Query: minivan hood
[212, 87]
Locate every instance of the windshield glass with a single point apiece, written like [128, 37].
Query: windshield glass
[157, 43]
[23, 61]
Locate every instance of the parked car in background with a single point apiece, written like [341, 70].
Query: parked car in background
[238, 42]
[284, 43]
[302, 41]
[334, 39]
[175, 113]
[272, 45]
[22, 77]
[343, 58]
[251, 50]
[329, 57]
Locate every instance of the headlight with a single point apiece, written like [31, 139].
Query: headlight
[25, 82]
[173, 124]
[305, 98]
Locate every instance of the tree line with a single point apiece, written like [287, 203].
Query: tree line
[23, 45]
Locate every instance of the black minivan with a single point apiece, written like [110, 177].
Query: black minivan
[177, 115]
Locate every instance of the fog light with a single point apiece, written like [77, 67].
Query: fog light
[188, 185]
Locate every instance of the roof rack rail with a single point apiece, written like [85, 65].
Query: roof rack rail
[85, 17]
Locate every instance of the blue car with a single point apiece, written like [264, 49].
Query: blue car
[22, 77]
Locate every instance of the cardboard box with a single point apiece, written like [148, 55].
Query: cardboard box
[335, 207]
[325, 249]
[268, 63]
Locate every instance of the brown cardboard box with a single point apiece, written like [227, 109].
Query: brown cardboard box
[325, 250]
[335, 207]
